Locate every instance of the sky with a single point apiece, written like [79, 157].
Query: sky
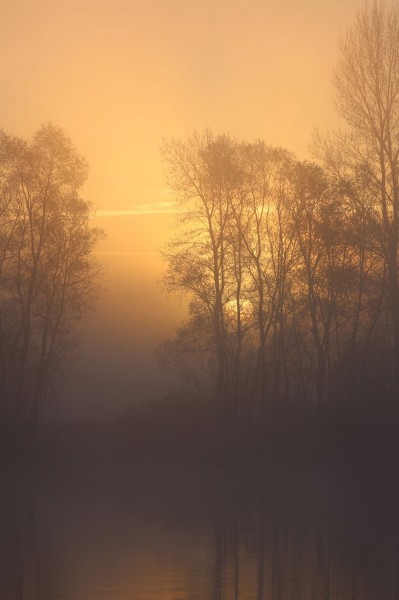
[118, 76]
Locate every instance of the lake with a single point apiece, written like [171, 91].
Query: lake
[158, 532]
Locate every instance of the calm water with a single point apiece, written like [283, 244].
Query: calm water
[163, 534]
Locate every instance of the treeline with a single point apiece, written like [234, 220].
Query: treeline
[291, 267]
[47, 272]
[288, 292]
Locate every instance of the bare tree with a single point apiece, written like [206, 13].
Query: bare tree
[367, 84]
[203, 173]
[47, 275]
[362, 330]
[284, 265]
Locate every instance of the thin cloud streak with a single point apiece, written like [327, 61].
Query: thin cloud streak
[151, 208]
[123, 253]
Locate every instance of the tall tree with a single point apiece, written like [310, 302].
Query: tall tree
[47, 273]
[202, 171]
[367, 84]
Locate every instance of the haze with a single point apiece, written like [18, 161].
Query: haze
[120, 76]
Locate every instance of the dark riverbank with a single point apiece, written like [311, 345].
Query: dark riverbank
[364, 442]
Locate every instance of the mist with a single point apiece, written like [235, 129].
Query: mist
[115, 366]
[199, 300]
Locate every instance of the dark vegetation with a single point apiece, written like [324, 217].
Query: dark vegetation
[328, 441]
[291, 267]
[47, 270]
[291, 347]
[284, 442]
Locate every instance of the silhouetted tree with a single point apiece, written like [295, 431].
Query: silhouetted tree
[285, 267]
[366, 80]
[47, 271]
[205, 175]
[364, 325]
[254, 250]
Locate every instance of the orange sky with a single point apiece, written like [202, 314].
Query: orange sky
[118, 75]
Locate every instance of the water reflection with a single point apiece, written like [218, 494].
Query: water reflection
[159, 535]
[278, 561]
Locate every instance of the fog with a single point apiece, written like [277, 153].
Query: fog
[115, 364]
[119, 76]
[243, 154]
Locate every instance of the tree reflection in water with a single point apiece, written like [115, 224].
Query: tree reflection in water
[308, 550]
[270, 539]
